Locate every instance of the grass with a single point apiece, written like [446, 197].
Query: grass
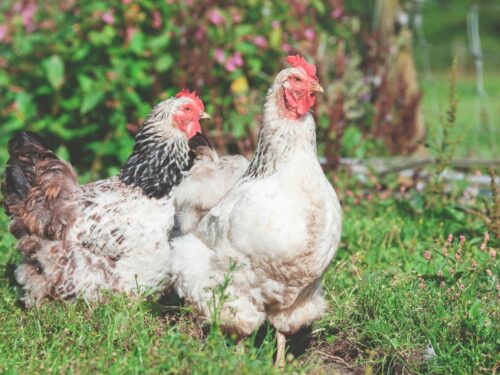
[403, 297]
[383, 307]
[386, 307]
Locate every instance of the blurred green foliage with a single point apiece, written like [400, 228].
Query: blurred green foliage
[85, 74]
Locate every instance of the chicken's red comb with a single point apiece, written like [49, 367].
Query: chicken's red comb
[185, 93]
[298, 61]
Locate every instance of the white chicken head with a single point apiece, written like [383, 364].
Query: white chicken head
[296, 88]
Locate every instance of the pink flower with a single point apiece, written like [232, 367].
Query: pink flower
[337, 13]
[310, 34]
[275, 24]
[130, 31]
[422, 282]
[260, 41]
[485, 241]
[474, 264]
[461, 286]
[457, 255]
[126, 1]
[442, 284]
[229, 65]
[236, 16]
[233, 62]
[440, 273]
[451, 271]
[462, 239]
[445, 252]
[427, 255]
[489, 273]
[237, 59]
[450, 238]
[216, 17]
[3, 32]
[108, 17]
[27, 14]
[219, 55]
[157, 21]
[493, 253]
[285, 47]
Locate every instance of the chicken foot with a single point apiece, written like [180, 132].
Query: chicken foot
[280, 352]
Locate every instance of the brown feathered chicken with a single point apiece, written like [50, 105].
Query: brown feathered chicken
[109, 235]
[275, 232]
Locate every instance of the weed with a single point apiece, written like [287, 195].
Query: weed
[442, 144]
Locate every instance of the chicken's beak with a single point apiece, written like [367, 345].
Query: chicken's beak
[204, 115]
[315, 86]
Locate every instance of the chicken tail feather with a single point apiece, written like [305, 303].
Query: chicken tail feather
[37, 188]
[26, 149]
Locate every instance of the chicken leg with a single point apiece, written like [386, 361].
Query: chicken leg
[280, 352]
[240, 347]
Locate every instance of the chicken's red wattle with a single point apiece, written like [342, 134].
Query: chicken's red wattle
[300, 101]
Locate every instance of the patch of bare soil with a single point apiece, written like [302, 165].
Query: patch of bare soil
[338, 357]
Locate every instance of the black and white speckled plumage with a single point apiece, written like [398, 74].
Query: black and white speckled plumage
[156, 149]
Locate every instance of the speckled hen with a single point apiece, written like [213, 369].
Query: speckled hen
[275, 232]
[109, 235]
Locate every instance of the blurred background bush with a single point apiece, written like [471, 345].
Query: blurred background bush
[85, 74]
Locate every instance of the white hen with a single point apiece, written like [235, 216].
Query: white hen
[210, 178]
[280, 225]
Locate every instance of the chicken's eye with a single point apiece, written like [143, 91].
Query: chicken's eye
[297, 79]
[187, 109]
